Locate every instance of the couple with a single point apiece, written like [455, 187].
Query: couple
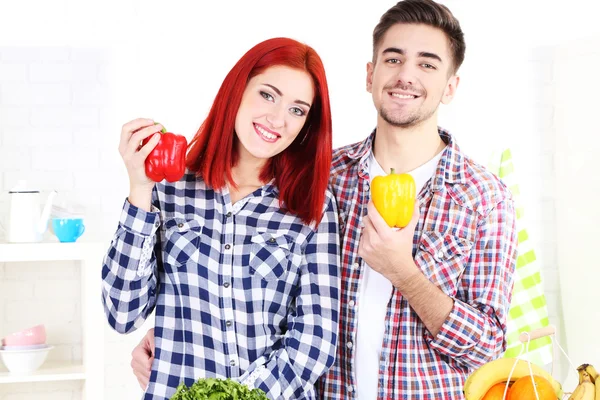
[268, 263]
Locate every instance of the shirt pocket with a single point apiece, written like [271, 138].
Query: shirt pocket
[269, 255]
[443, 257]
[182, 240]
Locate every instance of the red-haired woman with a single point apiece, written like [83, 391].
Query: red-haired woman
[239, 259]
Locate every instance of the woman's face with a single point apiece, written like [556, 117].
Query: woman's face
[274, 108]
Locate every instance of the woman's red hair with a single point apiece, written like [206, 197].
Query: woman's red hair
[301, 171]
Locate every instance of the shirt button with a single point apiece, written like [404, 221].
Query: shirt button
[350, 388]
[227, 246]
[356, 264]
[351, 303]
[272, 240]
[157, 223]
[441, 254]
[229, 323]
[180, 225]
[226, 284]
[349, 345]
[228, 214]
[232, 363]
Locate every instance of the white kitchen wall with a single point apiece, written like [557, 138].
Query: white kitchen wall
[577, 135]
[73, 72]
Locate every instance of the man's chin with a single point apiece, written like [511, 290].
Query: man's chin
[400, 121]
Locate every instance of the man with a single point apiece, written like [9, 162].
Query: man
[422, 306]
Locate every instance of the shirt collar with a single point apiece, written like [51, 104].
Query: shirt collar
[451, 168]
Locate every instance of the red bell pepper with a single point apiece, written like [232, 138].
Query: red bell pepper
[167, 159]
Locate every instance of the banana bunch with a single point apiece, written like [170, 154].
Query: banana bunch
[589, 384]
[497, 371]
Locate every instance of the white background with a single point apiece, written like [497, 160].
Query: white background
[72, 72]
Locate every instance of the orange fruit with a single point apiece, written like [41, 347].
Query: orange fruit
[523, 389]
[496, 392]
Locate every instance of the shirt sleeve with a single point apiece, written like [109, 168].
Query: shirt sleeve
[308, 348]
[129, 278]
[475, 331]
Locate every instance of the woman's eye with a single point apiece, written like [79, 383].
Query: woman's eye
[298, 111]
[266, 96]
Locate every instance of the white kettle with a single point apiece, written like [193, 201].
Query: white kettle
[26, 221]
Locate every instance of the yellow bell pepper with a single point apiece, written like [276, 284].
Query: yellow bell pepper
[394, 197]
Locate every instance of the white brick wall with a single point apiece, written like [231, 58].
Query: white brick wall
[56, 132]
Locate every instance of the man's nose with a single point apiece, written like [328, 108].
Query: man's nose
[406, 75]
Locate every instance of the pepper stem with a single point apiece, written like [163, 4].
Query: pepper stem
[163, 130]
[391, 171]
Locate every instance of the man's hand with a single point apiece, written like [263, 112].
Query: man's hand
[142, 357]
[388, 250]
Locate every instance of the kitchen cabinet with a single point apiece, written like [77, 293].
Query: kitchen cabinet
[90, 370]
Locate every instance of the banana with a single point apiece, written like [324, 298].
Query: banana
[585, 390]
[589, 368]
[496, 371]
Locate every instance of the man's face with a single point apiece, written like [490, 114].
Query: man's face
[411, 75]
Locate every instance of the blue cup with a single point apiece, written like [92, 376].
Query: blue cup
[68, 230]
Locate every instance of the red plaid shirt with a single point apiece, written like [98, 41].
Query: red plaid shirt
[465, 243]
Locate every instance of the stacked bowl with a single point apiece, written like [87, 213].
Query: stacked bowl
[26, 350]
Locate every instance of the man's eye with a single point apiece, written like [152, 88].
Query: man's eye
[428, 66]
[266, 96]
[393, 61]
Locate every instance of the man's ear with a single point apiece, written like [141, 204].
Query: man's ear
[370, 67]
[450, 90]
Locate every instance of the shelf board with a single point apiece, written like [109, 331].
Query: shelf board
[48, 372]
[50, 251]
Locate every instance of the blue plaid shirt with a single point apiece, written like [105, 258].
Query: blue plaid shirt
[243, 291]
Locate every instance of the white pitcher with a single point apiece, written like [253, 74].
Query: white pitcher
[26, 222]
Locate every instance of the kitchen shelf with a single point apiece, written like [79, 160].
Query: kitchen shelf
[48, 372]
[88, 256]
[48, 251]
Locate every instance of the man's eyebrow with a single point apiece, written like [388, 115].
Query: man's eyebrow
[425, 54]
[393, 50]
[430, 55]
[276, 90]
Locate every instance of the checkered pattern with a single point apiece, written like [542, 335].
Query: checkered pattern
[241, 288]
[528, 309]
[465, 243]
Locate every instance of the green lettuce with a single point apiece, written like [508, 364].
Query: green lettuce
[217, 389]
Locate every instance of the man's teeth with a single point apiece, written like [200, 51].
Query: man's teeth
[266, 134]
[404, 96]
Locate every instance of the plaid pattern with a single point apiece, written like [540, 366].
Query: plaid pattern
[528, 309]
[244, 291]
[465, 243]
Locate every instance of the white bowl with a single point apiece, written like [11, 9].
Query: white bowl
[24, 361]
[32, 347]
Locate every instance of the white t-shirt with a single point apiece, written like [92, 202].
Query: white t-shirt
[375, 293]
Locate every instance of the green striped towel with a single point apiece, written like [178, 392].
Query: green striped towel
[528, 310]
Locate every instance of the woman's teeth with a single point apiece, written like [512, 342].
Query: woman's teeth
[266, 134]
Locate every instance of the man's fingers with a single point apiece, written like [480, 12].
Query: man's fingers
[377, 220]
[415, 217]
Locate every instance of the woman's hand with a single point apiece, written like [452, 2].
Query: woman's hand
[134, 156]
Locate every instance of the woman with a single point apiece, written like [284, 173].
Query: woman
[240, 257]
